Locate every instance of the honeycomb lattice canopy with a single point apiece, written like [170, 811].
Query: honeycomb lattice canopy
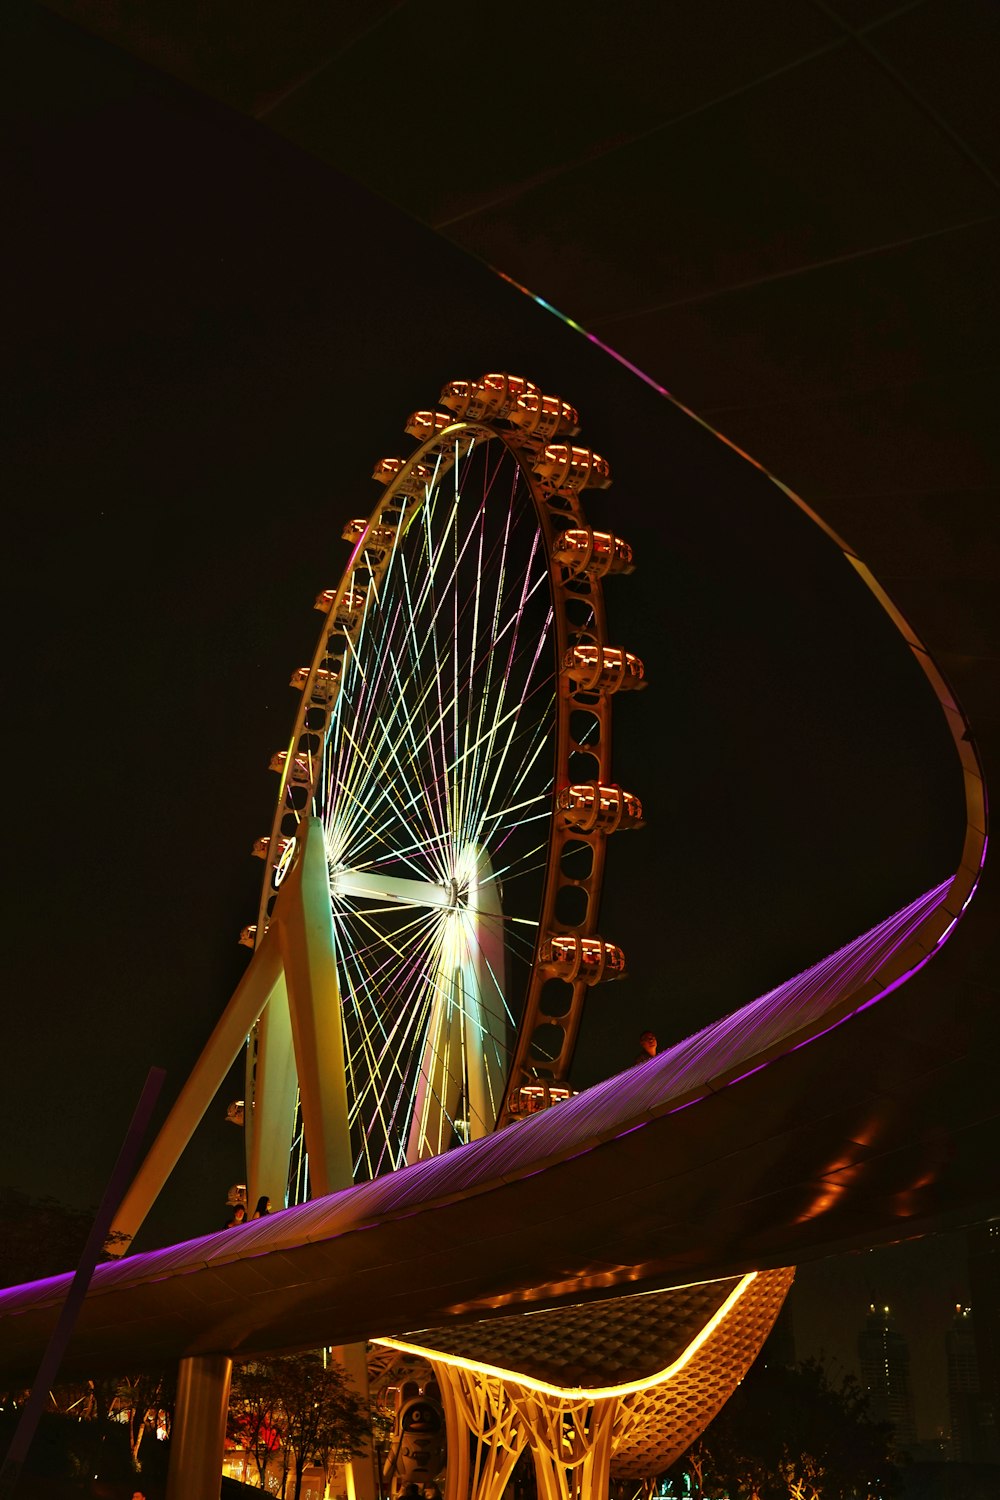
[638, 1378]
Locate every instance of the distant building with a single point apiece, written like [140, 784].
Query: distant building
[932, 1450]
[964, 1399]
[885, 1376]
[984, 1286]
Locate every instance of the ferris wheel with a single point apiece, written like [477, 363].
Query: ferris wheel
[453, 744]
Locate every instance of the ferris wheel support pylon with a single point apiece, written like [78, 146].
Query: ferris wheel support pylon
[305, 929]
[289, 992]
[488, 966]
[467, 1016]
[270, 1125]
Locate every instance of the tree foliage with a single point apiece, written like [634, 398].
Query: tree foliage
[72, 1449]
[300, 1408]
[39, 1237]
[146, 1400]
[253, 1402]
[788, 1434]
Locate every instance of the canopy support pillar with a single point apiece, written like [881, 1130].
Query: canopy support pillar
[198, 1439]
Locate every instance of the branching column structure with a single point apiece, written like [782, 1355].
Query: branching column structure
[570, 1441]
[685, 1349]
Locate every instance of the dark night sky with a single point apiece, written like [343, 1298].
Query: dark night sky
[215, 338]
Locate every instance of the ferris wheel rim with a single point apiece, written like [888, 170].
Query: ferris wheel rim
[400, 506]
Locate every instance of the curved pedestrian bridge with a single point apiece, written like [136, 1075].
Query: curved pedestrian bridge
[764, 1138]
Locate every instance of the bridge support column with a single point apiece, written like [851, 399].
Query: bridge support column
[198, 1439]
[359, 1472]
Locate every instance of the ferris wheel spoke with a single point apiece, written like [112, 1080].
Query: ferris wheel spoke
[506, 683]
[366, 807]
[443, 1078]
[385, 1046]
[359, 705]
[375, 848]
[433, 554]
[382, 1045]
[475, 641]
[491, 814]
[492, 818]
[368, 982]
[401, 698]
[468, 836]
[433, 559]
[433, 689]
[437, 1060]
[391, 721]
[384, 710]
[436, 739]
[363, 803]
[502, 761]
[537, 856]
[496, 633]
[386, 852]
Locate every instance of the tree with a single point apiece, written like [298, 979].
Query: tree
[304, 1407]
[325, 1419]
[788, 1434]
[145, 1399]
[39, 1237]
[252, 1400]
[71, 1448]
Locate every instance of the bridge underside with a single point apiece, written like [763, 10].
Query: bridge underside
[883, 1126]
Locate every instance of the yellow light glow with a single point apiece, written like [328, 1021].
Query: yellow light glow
[579, 1392]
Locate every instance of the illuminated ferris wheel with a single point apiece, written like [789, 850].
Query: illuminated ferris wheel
[453, 744]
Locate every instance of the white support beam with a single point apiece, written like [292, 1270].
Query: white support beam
[465, 1046]
[270, 1114]
[373, 886]
[440, 1080]
[304, 922]
[487, 1044]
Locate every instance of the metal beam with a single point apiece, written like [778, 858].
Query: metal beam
[372, 885]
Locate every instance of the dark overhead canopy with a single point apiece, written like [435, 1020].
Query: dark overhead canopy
[788, 214]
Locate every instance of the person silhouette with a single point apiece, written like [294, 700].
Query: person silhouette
[647, 1042]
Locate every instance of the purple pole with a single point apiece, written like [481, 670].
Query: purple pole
[118, 1182]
